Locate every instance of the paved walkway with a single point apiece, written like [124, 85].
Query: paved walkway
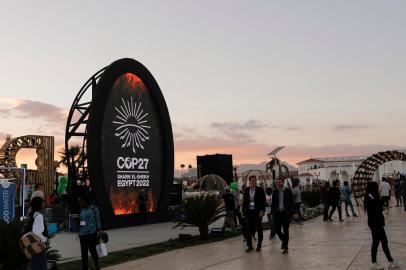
[314, 245]
[124, 238]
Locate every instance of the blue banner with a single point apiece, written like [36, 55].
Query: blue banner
[7, 211]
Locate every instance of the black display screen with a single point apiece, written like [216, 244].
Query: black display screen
[132, 147]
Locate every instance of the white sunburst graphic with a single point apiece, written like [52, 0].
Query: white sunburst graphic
[132, 125]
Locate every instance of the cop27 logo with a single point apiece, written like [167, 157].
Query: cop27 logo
[132, 125]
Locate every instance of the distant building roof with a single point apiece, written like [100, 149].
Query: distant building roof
[334, 159]
[305, 174]
[310, 160]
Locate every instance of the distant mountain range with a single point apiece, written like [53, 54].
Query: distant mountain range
[240, 169]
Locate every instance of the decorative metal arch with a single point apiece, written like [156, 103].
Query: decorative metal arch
[76, 131]
[44, 146]
[366, 170]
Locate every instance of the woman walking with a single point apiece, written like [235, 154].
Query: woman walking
[373, 205]
[90, 228]
[36, 225]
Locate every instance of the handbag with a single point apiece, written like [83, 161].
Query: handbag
[31, 244]
[101, 250]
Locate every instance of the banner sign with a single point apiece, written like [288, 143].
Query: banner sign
[7, 192]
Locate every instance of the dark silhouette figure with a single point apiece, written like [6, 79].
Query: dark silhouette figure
[373, 205]
[142, 201]
[334, 197]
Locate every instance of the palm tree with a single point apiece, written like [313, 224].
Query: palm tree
[75, 157]
[72, 153]
[201, 211]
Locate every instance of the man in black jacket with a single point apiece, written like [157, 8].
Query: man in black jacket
[334, 196]
[282, 206]
[254, 209]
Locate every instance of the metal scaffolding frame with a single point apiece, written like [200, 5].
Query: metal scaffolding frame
[76, 130]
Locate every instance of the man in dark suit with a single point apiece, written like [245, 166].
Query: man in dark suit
[282, 206]
[254, 209]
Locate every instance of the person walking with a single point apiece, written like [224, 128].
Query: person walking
[282, 205]
[399, 201]
[237, 212]
[373, 205]
[334, 197]
[243, 218]
[89, 231]
[254, 210]
[268, 211]
[324, 198]
[384, 190]
[36, 225]
[229, 205]
[347, 199]
[297, 199]
[403, 192]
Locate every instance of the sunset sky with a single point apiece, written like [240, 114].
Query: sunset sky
[323, 78]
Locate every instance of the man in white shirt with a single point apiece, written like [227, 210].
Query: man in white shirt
[384, 190]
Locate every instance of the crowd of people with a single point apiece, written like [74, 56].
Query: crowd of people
[282, 207]
[249, 206]
[332, 197]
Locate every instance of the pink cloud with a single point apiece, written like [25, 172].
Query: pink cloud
[28, 109]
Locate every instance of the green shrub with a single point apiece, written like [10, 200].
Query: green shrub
[11, 256]
[311, 198]
[201, 211]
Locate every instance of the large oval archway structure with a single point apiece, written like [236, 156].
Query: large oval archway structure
[127, 147]
[367, 169]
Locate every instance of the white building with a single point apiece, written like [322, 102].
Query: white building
[342, 168]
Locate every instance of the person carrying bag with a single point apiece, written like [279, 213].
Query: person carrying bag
[89, 231]
[34, 242]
